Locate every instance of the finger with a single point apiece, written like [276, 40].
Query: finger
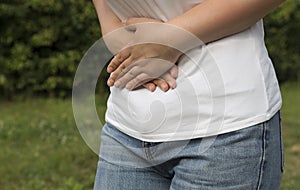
[168, 78]
[174, 71]
[110, 82]
[114, 63]
[120, 71]
[137, 81]
[114, 76]
[150, 86]
[128, 76]
[163, 85]
[126, 67]
[118, 60]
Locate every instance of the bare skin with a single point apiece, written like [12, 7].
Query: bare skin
[210, 20]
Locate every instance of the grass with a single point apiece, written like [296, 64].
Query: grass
[291, 135]
[41, 147]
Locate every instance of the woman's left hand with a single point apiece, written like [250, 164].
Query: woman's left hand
[141, 63]
[138, 64]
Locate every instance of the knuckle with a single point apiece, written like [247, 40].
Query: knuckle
[161, 83]
[131, 73]
[128, 62]
[123, 66]
[118, 71]
[114, 76]
[156, 81]
[119, 55]
[140, 78]
[113, 64]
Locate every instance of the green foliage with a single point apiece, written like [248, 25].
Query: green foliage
[41, 148]
[291, 134]
[282, 38]
[42, 43]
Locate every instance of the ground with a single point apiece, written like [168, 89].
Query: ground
[41, 147]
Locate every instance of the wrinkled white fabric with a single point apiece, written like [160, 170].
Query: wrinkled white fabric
[224, 86]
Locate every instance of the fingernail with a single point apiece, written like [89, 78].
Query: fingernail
[129, 87]
[164, 87]
[173, 86]
[110, 82]
[152, 88]
[124, 21]
[117, 84]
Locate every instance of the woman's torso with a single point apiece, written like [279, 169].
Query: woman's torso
[224, 86]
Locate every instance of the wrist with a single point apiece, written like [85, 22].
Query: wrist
[169, 35]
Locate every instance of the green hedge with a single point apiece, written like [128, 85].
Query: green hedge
[282, 29]
[42, 43]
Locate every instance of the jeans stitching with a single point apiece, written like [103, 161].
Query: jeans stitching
[147, 150]
[281, 144]
[263, 157]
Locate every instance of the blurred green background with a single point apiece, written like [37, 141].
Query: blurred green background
[41, 44]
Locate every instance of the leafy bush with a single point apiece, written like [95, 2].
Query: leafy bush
[282, 30]
[42, 43]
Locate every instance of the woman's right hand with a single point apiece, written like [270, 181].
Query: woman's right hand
[165, 82]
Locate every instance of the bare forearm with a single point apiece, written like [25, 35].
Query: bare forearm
[215, 19]
[108, 20]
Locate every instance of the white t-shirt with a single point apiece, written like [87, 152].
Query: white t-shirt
[227, 85]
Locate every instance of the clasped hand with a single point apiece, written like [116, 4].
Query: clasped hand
[144, 64]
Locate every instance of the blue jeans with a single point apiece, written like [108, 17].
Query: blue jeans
[247, 159]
